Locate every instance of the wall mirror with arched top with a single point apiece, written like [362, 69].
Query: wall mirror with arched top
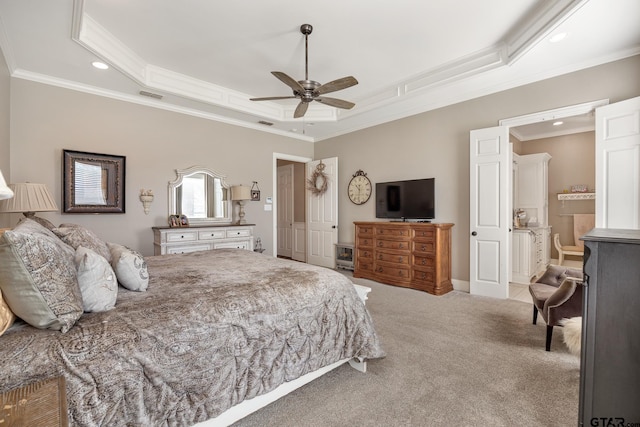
[201, 194]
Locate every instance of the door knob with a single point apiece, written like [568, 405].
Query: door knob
[333, 226]
[473, 233]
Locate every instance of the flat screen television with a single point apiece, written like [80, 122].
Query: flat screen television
[406, 200]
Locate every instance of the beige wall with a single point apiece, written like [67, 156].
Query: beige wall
[436, 144]
[5, 84]
[46, 119]
[573, 161]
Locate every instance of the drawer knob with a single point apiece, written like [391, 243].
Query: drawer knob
[424, 261]
[424, 248]
[424, 276]
[380, 256]
[379, 243]
[399, 259]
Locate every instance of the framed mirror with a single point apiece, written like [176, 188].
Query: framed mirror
[201, 194]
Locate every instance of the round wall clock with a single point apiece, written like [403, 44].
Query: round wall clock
[359, 188]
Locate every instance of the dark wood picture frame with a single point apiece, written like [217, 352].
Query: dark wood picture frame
[93, 183]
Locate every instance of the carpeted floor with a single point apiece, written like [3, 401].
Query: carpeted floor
[453, 360]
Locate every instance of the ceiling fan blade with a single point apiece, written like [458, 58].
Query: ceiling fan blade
[297, 87]
[335, 85]
[301, 109]
[271, 98]
[334, 102]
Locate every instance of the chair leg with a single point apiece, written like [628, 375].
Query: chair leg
[549, 333]
[535, 314]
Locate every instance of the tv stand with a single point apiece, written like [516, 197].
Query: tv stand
[410, 254]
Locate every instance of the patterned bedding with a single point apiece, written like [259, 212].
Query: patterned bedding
[214, 328]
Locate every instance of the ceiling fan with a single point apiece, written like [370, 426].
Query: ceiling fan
[310, 90]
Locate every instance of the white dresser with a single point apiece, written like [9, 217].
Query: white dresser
[167, 240]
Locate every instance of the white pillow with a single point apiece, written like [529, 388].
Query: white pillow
[130, 267]
[97, 280]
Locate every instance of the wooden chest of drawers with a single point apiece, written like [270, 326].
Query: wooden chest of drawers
[409, 254]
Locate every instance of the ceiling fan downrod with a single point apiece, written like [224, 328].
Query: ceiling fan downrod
[306, 29]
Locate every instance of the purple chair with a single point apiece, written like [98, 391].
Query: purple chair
[557, 294]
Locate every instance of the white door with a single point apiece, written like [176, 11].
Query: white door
[618, 165]
[285, 210]
[322, 215]
[490, 216]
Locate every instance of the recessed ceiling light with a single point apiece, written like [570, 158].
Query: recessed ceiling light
[558, 37]
[100, 65]
[558, 123]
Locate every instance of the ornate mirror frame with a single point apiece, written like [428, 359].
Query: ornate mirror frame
[173, 198]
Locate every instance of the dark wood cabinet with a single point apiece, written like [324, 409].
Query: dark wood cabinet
[409, 254]
[610, 362]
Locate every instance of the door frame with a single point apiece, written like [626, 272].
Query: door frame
[274, 185]
[546, 115]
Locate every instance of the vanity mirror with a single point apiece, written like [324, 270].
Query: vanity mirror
[201, 194]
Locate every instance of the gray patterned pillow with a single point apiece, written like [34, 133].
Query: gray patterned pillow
[130, 267]
[98, 283]
[38, 277]
[76, 235]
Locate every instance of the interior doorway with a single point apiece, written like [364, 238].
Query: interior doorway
[290, 212]
[488, 257]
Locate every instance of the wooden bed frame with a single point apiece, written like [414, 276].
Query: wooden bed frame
[250, 406]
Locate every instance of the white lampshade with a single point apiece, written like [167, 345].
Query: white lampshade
[29, 198]
[5, 192]
[240, 192]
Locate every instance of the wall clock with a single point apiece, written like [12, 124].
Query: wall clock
[359, 188]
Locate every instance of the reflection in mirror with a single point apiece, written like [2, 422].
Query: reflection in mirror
[201, 194]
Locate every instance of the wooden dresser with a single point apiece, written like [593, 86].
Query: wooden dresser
[410, 254]
[181, 240]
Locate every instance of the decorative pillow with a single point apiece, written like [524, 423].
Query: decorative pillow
[97, 280]
[38, 277]
[130, 267]
[76, 235]
[6, 316]
[43, 222]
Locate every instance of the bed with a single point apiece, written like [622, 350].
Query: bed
[213, 331]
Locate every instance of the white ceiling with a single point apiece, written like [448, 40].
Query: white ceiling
[207, 58]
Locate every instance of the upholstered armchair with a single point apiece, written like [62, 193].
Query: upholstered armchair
[557, 294]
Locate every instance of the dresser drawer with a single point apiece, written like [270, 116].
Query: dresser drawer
[392, 272]
[425, 277]
[212, 234]
[364, 231]
[393, 232]
[243, 244]
[424, 234]
[185, 236]
[365, 253]
[364, 264]
[240, 232]
[424, 247]
[187, 249]
[392, 244]
[423, 262]
[393, 258]
[366, 242]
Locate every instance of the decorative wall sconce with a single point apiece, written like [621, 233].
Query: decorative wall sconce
[255, 192]
[146, 197]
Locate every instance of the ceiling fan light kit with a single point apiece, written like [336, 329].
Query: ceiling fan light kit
[310, 90]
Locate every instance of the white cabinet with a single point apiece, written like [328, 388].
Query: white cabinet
[168, 240]
[530, 253]
[531, 187]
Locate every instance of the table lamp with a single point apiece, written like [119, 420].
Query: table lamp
[240, 193]
[28, 198]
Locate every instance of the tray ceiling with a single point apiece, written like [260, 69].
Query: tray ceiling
[208, 58]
